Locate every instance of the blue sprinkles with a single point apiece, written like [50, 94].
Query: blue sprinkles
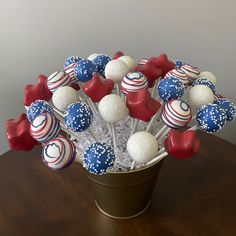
[98, 158]
[228, 107]
[71, 60]
[170, 88]
[37, 108]
[206, 82]
[78, 117]
[101, 61]
[84, 70]
[211, 118]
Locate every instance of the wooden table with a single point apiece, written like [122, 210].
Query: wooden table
[192, 197]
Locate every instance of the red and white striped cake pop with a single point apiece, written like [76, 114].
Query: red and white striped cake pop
[179, 74]
[58, 79]
[133, 82]
[191, 71]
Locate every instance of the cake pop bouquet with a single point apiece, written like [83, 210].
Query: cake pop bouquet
[118, 115]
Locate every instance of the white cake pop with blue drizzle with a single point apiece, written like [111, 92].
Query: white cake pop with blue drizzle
[228, 107]
[37, 108]
[101, 61]
[84, 70]
[59, 153]
[204, 81]
[170, 88]
[211, 118]
[98, 157]
[208, 75]
[78, 117]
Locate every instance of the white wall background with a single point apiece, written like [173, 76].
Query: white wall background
[36, 37]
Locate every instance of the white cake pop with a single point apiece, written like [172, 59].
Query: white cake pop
[116, 70]
[142, 147]
[92, 56]
[129, 61]
[208, 75]
[112, 108]
[200, 95]
[64, 96]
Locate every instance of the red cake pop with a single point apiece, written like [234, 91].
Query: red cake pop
[18, 134]
[141, 105]
[117, 55]
[39, 91]
[181, 145]
[98, 87]
[163, 63]
[150, 71]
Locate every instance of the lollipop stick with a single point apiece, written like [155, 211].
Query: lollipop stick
[161, 151]
[153, 118]
[136, 122]
[113, 134]
[90, 131]
[158, 158]
[109, 128]
[118, 89]
[160, 131]
[195, 127]
[164, 133]
[155, 88]
[132, 165]
[94, 108]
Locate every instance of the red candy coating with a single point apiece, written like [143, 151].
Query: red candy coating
[163, 63]
[182, 145]
[98, 87]
[117, 55]
[39, 91]
[150, 71]
[141, 105]
[18, 134]
[75, 86]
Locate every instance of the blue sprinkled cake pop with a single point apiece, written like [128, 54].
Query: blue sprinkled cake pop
[170, 88]
[98, 157]
[211, 118]
[101, 61]
[84, 70]
[78, 117]
[204, 81]
[37, 108]
[228, 107]
[178, 63]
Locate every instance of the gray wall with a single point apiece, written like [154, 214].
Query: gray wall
[36, 37]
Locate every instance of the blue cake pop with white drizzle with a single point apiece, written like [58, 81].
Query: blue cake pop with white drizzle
[211, 118]
[78, 117]
[101, 61]
[37, 108]
[69, 66]
[71, 60]
[228, 107]
[84, 70]
[98, 158]
[204, 81]
[178, 63]
[170, 88]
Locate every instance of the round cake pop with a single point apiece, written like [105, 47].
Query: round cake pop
[206, 82]
[36, 108]
[211, 118]
[58, 79]
[228, 107]
[101, 61]
[170, 88]
[64, 96]
[112, 108]
[129, 61]
[116, 70]
[142, 147]
[84, 70]
[45, 127]
[133, 82]
[178, 74]
[200, 95]
[59, 153]
[179, 63]
[176, 114]
[93, 56]
[98, 158]
[78, 117]
[208, 75]
[191, 71]
[69, 66]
